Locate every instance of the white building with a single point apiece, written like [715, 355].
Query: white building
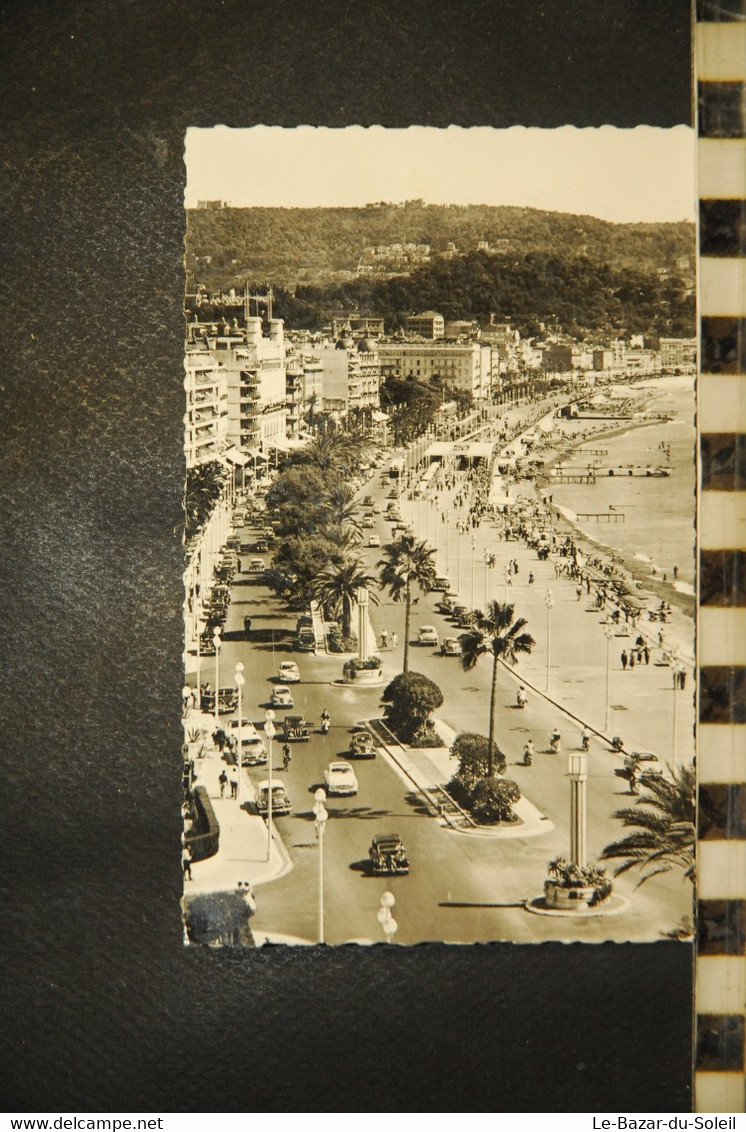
[469, 366]
[351, 375]
[206, 417]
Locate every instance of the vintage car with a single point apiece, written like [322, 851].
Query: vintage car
[339, 778]
[445, 605]
[441, 583]
[387, 855]
[368, 501]
[427, 635]
[374, 540]
[288, 672]
[280, 798]
[261, 546]
[253, 751]
[295, 729]
[451, 647]
[282, 696]
[643, 761]
[362, 745]
[368, 523]
[227, 699]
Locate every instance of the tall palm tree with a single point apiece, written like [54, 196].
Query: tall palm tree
[407, 563]
[665, 831]
[497, 634]
[336, 587]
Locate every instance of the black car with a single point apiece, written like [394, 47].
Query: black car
[388, 856]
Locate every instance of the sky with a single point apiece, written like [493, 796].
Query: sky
[643, 174]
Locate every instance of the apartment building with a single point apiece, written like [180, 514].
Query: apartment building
[206, 417]
[469, 366]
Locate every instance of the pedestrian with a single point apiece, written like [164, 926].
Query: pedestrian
[624, 658]
[186, 697]
[682, 678]
[384, 638]
[219, 738]
[675, 573]
[579, 592]
[222, 782]
[234, 784]
[394, 641]
[631, 659]
[530, 579]
[646, 654]
[186, 862]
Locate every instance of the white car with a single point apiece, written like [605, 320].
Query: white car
[374, 540]
[427, 635]
[257, 566]
[340, 779]
[368, 522]
[281, 696]
[288, 672]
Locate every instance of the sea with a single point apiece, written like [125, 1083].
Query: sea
[659, 513]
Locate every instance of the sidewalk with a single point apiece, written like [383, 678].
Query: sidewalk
[242, 854]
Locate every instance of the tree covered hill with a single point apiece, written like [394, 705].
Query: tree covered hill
[314, 245]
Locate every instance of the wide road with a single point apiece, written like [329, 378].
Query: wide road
[462, 888]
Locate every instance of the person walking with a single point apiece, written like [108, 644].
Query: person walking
[384, 638]
[646, 654]
[222, 782]
[234, 784]
[186, 862]
[394, 641]
[631, 659]
[624, 658]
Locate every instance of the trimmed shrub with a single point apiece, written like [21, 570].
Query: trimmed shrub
[218, 918]
[204, 840]
[411, 697]
[338, 642]
[470, 748]
[492, 800]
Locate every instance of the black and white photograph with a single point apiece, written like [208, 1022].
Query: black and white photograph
[439, 574]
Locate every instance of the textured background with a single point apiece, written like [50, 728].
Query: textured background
[103, 1009]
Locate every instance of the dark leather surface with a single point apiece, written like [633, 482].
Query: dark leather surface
[103, 1008]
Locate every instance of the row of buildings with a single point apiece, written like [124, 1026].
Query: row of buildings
[251, 394]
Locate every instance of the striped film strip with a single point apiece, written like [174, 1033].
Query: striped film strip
[720, 1065]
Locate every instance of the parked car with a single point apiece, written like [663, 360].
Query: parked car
[441, 583]
[288, 672]
[427, 635]
[295, 729]
[445, 605]
[261, 546]
[362, 745]
[339, 778]
[280, 799]
[465, 619]
[368, 501]
[281, 696]
[374, 540]
[451, 647]
[388, 856]
[257, 566]
[368, 522]
[227, 699]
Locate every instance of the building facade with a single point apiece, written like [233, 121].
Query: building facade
[428, 324]
[469, 366]
[206, 417]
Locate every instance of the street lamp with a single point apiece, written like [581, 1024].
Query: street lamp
[448, 531]
[239, 679]
[549, 602]
[473, 567]
[321, 819]
[269, 731]
[677, 668]
[385, 919]
[608, 633]
[578, 770]
[458, 570]
[200, 628]
[217, 642]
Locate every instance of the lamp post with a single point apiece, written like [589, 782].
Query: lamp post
[578, 770]
[549, 602]
[385, 919]
[448, 531]
[269, 731]
[458, 569]
[217, 642]
[320, 811]
[239, 679]
[473, 567]
[608, 633]
[200, 627]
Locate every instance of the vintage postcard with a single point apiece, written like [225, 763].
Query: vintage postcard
[439, 440]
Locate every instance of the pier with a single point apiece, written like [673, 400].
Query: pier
[603, 516]
[574, 477]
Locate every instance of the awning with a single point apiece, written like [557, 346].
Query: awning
[236, 456]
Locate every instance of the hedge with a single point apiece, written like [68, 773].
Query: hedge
[205, 841]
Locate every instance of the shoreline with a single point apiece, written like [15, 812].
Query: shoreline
[679, 630]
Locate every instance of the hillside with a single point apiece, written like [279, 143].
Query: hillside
[318, 245]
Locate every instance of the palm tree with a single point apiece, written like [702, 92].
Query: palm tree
[407, 563]
[495, 633]
[341, 507]
[336, 587]
[666, 827]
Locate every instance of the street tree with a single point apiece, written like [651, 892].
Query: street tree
[204, 484]
[471, 750]
[407, 564]
[337, 588]
[495, 633]
[664, 821]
